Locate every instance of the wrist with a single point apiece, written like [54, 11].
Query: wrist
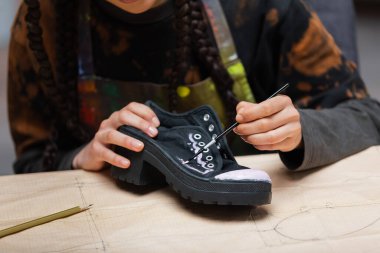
[78, 161]
[74, 164]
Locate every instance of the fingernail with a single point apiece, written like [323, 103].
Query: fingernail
[137, 144]
[125, 163]
[239, 117]
[153, 131]
[155, 121]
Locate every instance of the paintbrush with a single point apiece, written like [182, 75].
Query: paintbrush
[214, 140]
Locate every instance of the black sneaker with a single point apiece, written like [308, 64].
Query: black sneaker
[213, 177]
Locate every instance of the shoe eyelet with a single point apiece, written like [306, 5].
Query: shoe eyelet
[206, 117]
[218, 145]
[201, 144]
[206, 150]
[211, 128]
[214, 136]
[209, 158]
[210, 165]
[197, 136]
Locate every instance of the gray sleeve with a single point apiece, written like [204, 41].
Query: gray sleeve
[32, 160]
[66, 161]
[332, 134]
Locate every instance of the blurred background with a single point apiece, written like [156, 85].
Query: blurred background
[367, 25]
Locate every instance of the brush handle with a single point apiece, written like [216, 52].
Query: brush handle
[227, 130]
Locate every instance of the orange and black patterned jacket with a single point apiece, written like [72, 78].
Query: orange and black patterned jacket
[278, 41]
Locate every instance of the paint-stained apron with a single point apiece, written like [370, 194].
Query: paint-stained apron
[99, 96]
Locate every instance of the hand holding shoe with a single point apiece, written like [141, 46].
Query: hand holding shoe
[97, 152]
[273, 124]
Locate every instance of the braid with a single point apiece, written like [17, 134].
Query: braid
[209, 56]
[34, 34]
[61, 93]
[183, 50]
[192, 32]
[66, 51]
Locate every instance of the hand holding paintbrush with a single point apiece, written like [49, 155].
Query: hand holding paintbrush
[225, 132]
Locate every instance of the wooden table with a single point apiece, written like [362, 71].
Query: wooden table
[333, 209]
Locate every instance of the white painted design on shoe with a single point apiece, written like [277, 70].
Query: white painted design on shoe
[245, 175]
[205, 166]
[194, 143]
[185, 163]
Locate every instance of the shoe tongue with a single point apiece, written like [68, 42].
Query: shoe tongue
[183, 142]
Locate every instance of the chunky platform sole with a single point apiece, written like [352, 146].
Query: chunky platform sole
[153, 166]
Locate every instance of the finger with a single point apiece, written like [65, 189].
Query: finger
[126, 117]
[262, 110]
[243, 104]
[111, 157]
[144, 112]
[117, 138]
[263, 125]
[274, 136]
[285, 146]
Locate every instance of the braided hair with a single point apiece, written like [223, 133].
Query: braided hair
[192, 36]
[61, 91]
[193, 32]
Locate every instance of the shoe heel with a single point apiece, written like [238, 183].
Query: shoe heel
[140, 172]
